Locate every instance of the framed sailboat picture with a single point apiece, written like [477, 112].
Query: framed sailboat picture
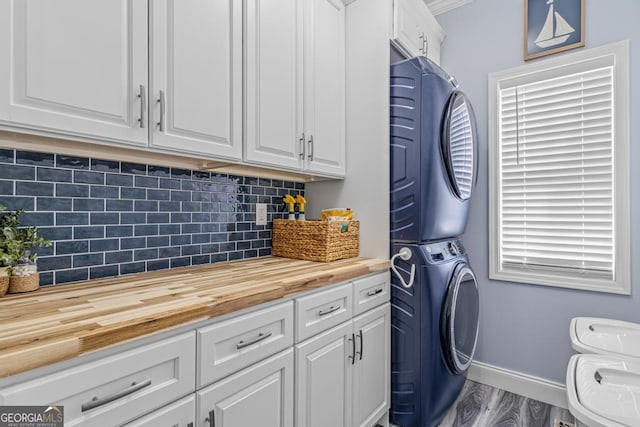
[552, 26]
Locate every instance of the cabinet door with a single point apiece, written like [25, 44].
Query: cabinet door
[407, 33]
[371, 370]
[177, 414]
[323, 379]
[260, 395]
[324, 86]
[196, 79]
[415, 30]
[75, 67]
[273, 99]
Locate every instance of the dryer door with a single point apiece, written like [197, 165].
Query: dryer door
[460, 319]
[459, 145]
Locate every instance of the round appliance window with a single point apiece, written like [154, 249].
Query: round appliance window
[459, 145]
[460, 319]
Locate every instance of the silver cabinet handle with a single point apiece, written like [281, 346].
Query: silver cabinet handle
[161, 101]
[425, 44]
[329, 310]
[96, 401]
[421, 38]
[143, 106]
[311, 148]
[374, 292]
[353, 349]
[211, 419]
[302, 147]
[260, 337]
[361, 344]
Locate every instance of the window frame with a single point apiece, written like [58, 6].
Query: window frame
[616, 54]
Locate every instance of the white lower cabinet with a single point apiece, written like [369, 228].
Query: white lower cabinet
[371, 370]
[178, 414]
[115, 389]
[241, 371]
[342, 375]
[260, 395]
[324, 378]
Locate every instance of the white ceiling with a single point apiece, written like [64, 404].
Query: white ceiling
[440, 6]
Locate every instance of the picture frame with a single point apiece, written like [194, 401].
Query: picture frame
[552, 26]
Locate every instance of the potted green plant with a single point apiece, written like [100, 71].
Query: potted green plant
[17, 243]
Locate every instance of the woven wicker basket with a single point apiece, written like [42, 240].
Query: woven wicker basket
[315, 240]
[4, 281]
[19, 284]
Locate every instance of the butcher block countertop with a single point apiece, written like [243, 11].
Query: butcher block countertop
[61, 322]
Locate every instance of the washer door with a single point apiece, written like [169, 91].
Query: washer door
[460, 319]
[459, 145]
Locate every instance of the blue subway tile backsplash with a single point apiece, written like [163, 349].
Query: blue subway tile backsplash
[109, 218]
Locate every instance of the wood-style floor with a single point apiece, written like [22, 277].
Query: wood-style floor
[481, 405]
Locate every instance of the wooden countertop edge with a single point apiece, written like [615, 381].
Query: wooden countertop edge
[56, 349]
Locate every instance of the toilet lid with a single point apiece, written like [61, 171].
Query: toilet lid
[605, 336]
[604, 390]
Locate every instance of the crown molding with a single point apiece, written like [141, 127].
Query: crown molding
[440, 6]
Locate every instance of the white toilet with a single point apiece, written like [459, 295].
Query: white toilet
[603, 388]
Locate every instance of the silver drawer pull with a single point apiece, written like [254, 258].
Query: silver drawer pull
[260, 337]
[96, 401]
[374, 292]
[329, 310]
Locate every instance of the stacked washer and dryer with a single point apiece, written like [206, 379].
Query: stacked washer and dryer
[435, 307]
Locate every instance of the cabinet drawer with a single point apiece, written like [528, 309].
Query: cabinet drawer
[177, 414]
[117, 388]
[229, 346]
[323, 310]
[370, 292]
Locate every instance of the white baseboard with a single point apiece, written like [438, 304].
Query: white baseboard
[515, 382]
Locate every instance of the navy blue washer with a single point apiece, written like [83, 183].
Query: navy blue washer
[433, 153]
[434, 332]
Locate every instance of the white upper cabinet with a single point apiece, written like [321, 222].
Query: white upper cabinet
[273, 99]
[324, 86]
[196, 78]
[295, 84]
[260, 81]
[415, 30]
[75, 67]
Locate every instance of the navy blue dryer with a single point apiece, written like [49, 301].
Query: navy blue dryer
[433, 153]
[434, 332]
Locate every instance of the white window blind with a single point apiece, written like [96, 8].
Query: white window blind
[462, 145]
[556, 145]
[559, 187]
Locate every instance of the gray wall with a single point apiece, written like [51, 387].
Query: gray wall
[523, 327]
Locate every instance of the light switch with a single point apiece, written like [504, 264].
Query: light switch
[261, 214]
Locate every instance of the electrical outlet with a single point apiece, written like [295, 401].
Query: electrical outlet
[558, 423]
[261, 214]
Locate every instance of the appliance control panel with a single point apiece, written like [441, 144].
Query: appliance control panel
[443, 251]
